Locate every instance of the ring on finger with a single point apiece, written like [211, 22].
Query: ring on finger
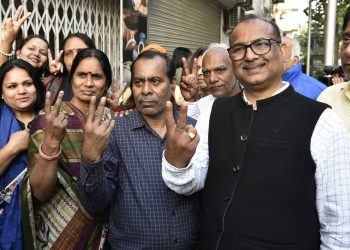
[55, 107]
[191, 135]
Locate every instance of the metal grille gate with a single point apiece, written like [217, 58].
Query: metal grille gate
[55, 19]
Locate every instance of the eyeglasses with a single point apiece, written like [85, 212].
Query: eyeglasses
[259, 47]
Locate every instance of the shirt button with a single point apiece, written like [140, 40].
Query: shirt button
[244, 138]
[227, 198]
[235, 168]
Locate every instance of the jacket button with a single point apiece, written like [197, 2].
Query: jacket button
[244, 137]
[235, 168]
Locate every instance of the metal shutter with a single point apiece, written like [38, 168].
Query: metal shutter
[183, 23]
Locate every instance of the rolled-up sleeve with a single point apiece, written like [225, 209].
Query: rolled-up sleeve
[192, 178]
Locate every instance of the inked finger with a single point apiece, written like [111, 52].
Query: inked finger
[195, 66]
[92, 108]
[100, 109]
[57, 106]
[48, 103]
[182, 120]
[169, 116]
[185, 66]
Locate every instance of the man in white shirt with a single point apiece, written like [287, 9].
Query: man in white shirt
[218, 75]
[274, 166]
[338, 96]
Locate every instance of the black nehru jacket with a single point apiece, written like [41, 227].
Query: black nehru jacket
[260, 189]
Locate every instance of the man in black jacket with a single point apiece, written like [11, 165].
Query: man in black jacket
[273, 164]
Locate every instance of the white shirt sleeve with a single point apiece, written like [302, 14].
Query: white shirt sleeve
[192, 110]
[192, 178]
[330, 149]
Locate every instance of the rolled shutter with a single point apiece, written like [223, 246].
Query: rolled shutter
[183, 23]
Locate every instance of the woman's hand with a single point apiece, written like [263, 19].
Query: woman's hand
[96, 130]
[55, 125]
[11, 26]
[55, 65]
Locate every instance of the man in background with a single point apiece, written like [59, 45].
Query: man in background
[338, 96]
[302, 83]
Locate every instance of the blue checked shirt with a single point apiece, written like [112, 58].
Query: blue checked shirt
[143, 212]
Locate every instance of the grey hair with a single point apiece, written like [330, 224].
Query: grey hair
[216, 45]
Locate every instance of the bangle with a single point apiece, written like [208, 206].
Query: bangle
[46, 157]
[6, 54]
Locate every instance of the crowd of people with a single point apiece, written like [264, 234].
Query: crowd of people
[229, 147]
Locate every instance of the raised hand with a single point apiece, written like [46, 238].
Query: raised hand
[113, 98]
[55, 65]
[55, 125]
[337, 79]
[181, 139]
[11, 26]
[96, 130]
[188, 85]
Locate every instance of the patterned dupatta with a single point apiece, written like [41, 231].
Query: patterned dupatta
[9, 125]
[11, 236]
[60, 222]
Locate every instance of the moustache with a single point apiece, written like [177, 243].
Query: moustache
[147, 99]
[251, 65]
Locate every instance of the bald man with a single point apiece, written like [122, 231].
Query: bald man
[218, 75]
[302, 83]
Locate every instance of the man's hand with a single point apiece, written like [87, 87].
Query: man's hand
[188, 85]
[55, 125]
[181, 139]
[55, 66]
[96, 132]
[337, 79]
[11, 26]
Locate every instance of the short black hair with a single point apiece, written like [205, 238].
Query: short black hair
[178, 54]
[150, 54]
[276, 29]
[82, 36]
[33, 73]
[101, 57]
[346, 18]
[199, 52]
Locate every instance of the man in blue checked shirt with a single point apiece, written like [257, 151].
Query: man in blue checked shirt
[121, 165]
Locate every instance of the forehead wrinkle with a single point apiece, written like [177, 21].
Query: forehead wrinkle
[247, 35]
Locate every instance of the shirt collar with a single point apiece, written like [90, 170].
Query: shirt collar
[347, 90]
[284, 87]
